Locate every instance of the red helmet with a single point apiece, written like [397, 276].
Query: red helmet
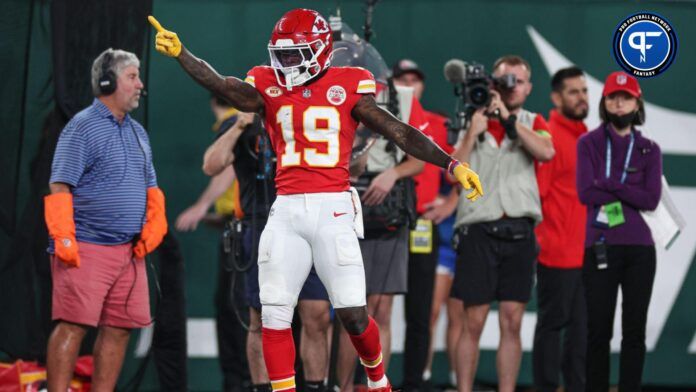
[300, 46]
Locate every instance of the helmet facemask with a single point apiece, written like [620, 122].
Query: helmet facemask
[298, 63]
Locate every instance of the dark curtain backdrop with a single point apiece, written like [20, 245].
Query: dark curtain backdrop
[79, 31]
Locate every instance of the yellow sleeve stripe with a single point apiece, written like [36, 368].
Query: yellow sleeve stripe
[373, 363]
[281, 385]
[543, 132]
[250, 80]
[367, 88]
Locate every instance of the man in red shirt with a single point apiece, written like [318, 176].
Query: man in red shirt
[561, 236]
[424, 243]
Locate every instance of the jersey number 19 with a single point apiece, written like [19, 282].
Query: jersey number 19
[320, 124]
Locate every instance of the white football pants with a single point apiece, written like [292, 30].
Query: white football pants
[304, 230]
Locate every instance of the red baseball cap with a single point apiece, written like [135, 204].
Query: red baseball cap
[621, 81]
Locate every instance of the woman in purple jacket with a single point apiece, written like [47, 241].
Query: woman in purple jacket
[619, 174]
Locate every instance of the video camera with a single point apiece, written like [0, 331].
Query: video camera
[472, 87]
[476, 85]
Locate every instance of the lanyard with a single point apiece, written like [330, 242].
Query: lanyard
[607, 171]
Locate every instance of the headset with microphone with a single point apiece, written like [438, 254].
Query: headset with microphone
[107, 77]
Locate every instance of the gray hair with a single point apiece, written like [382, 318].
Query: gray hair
[120, 60]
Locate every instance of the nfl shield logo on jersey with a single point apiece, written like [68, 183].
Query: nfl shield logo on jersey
[336, 95]
[306, 93]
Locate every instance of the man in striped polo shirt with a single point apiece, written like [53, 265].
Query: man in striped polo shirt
[104, 214]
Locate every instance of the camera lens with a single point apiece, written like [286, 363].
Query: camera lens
[479, 95]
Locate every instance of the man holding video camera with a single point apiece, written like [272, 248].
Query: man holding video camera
[494, 239]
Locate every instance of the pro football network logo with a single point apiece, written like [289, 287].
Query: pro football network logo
[645, 44]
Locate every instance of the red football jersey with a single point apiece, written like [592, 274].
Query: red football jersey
[311, 127]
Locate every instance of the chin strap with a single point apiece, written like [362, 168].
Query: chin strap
[290, 78]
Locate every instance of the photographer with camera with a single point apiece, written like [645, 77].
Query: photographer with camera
[494, 238]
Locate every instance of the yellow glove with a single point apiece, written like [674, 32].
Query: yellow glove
[467, 177]
[166, 42]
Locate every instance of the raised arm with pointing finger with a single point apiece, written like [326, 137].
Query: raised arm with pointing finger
[247, 98]
[241, 95]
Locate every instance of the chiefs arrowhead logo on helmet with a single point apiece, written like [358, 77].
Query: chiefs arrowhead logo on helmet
[320, 25]
[300, 46]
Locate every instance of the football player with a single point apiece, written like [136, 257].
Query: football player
[311, 111]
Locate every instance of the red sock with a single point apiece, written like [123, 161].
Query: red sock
[279, 355]
[370, 350]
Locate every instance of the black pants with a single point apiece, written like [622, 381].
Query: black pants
[633, 268]
[418, 304]
[230, 306]
[561, 311]
[169, 339]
